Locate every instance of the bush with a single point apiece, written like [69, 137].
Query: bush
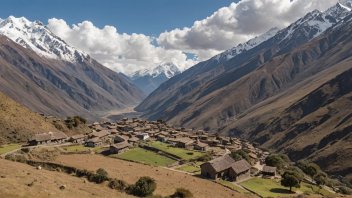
[182, 193]
[145, 186]
[102, 172]
[240, 154]
[118, 184]
[100, 176]
[345, 190]
[279, 161]
[204, 158]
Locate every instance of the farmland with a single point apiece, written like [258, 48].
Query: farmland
[144, 156]
[273, 188]
[8, 148]
[179, 152]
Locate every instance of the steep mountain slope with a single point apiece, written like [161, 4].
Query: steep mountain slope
[173, 99]
[45, 74]
[18, 123]
[291, 93]
[150, 79]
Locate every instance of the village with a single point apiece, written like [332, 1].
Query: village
[208, 154]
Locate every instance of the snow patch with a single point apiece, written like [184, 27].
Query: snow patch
[36, 36]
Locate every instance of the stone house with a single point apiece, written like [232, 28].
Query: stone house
[269, 171]
[93, 142]
[79, 139]
[119, 147]
[239, 170]
[120, 138]
[217, 168]
[226, 168]
[48, 138]
[200, 146]
[186, 143]
[143, 136]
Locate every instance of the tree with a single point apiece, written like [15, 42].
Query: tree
[145, 186]
[275, 160]
[182, 193]
[290, 180]
[100, 176]
[240, 154]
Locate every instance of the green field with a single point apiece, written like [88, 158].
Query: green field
[191, 168]
[179, 152]
[80, 148]
[8, 148]
[144, 156]
[273, 188]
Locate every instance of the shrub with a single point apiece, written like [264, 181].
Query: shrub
[118, 184]
[204, 158]
[240, 154]
[182, 193]
[145, 186]
[279, 161]
[102, 172]
[345, 190]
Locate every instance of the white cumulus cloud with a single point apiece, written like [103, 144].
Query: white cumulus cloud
[121, 52]
[237, 23]
[225, 28]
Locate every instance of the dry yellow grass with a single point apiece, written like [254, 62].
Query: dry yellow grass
[167, 180]
[15, 177]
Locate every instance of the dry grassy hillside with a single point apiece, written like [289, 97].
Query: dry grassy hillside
[167, 180]
[18, 123]
[21, 180]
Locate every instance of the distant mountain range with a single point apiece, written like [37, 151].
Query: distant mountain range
[150, 79]
[286, 90]
[41, 71]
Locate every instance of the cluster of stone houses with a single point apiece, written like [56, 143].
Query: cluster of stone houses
[135, 130]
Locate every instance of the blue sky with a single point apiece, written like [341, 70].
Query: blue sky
[149, 17]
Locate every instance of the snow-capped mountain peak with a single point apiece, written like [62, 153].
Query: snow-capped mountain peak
[347, 4]
[34, 35]
[228, 54]
[167, 69]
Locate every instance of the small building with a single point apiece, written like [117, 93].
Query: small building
[200, 146]
[162, 138]
[94, 142]
[133, 140]
[119, 147]
[217, 168]
[120, 138]
[186, 143]
[240, 170]
[79, 139]
[143, 136]
[269, 171]
[48, 138]
[101, 134]
[226, 168]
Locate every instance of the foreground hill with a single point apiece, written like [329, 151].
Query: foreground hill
[45, 74]
[21, 180]
[167, 180]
